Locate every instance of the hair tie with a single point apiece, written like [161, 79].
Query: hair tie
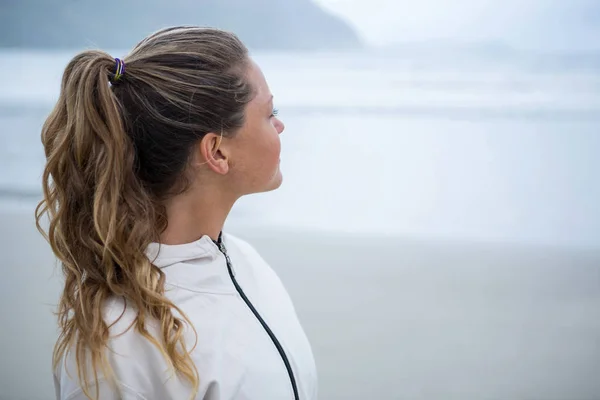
[119, 70]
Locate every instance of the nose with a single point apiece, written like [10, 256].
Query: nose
[279, 126]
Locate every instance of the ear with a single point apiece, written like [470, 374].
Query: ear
[212, 152]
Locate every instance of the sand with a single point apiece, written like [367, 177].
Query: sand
[388, 317]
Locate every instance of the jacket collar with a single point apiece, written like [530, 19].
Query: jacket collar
[197, 266]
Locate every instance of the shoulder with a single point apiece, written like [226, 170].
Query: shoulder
[240, 244]
[249, 264]
[136, 363]
[242, 249]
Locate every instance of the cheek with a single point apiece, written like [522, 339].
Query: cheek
[261, 153]
[269, 162]
[277, 146]
[272, 145]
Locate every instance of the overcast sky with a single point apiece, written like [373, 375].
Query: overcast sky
[539, 24]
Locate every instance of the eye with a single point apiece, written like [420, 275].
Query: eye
[274, 113]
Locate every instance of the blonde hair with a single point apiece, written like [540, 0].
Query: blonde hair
[114, 153]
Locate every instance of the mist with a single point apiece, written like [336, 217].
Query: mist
[529, 24]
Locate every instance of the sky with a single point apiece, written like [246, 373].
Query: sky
[531, 24]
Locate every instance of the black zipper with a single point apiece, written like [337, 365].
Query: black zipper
[286, 361]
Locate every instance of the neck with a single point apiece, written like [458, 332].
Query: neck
[191, 216]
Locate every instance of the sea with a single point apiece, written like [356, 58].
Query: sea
[489, 146]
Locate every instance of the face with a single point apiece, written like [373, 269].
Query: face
[255, 149]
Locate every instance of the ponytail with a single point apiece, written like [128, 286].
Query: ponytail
[101, 219]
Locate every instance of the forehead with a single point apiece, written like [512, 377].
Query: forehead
[257, 79]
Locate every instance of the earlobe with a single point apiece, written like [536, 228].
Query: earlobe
[213, 153]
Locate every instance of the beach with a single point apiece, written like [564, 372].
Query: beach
[438, 227]
[388, 317]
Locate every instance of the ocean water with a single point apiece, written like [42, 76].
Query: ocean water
[451, 145]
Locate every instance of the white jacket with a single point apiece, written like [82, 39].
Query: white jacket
[235, 354]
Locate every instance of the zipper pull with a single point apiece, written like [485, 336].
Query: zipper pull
[227, 259]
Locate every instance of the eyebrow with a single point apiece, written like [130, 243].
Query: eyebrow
[269, 100]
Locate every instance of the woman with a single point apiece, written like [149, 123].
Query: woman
[145, 158]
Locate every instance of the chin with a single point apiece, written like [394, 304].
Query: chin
[275, 182]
